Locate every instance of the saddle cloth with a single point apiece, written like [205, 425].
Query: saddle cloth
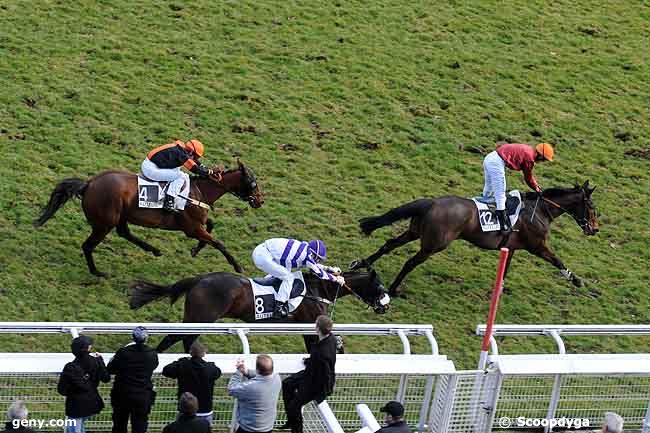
[264, 290]
[151, 193]
[487, 215]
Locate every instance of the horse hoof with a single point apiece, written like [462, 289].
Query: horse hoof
[156, 253]
[194, 252]
[100, 274]
[577, 282]
[239, 269]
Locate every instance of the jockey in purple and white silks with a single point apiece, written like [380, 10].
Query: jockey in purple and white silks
[279, 257]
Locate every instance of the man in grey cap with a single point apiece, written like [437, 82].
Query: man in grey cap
[394, 418]
[132, 394]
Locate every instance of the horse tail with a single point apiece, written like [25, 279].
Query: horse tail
[143, 292]
[409, 210]
[63, 192]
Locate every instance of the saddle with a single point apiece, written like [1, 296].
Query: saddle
[265, 289]
[486, 208]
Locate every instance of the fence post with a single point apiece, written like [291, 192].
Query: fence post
[401, 391]
[557, 382]
[646, 421]
[246, 350]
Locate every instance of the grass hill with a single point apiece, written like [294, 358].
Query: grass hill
[343, 110]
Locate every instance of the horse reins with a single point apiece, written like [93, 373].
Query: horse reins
[582, 223]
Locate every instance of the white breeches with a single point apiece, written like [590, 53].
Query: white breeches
[264, 261]
[180, 181]
[494, 170]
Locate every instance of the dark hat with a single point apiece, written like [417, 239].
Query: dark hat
[140, 334]
[393, 408]
[80, 344]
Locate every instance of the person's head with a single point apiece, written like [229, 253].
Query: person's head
[613, 423]
[324, 325]
[17, 411]
[81, 345]
[318, 250]
[140, 335]
[188, 404]
[195, 147]
[394, 412]
[545, 152]
[264, 365]
[198, 350]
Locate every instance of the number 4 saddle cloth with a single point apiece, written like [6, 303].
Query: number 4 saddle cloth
[486, 210]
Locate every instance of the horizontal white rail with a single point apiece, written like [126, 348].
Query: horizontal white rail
[207, 328]
[502, 330]
[241, 330]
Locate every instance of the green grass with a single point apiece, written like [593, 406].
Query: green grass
[351, 108]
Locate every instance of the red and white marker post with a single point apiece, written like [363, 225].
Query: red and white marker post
[494, 306]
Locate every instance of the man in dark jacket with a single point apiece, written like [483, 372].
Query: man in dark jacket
[78, 383]
[394, 418]
[196, 376]
[316, 381]
[132, 394]
[187, 421]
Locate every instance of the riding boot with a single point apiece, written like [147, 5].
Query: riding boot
[281, 310]
[504, 221]
[169, 204]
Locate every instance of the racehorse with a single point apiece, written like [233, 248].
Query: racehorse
[210, 297]
[439, 221]
[110, 200]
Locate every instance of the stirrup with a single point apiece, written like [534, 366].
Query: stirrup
[281, 310]
[169, 204]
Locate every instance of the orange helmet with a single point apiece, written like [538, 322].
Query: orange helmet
[546, 150]
[195, 146]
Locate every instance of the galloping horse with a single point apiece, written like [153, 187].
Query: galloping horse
[110, 200]
[439, 221]
[210, 297]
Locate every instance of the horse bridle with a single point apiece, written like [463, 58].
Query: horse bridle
[252, 185]
[582, 222]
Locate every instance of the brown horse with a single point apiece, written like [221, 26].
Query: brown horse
[210, 297]
[110, 200]
[439, 221]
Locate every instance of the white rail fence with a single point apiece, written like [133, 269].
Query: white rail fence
[437, 397]
[571, 386]
[371, 379]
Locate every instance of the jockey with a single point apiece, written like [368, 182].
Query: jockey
[520, 157]
[164, 164]
[279, 257]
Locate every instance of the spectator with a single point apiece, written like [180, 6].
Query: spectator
[394, 418]
[196, 376]
[78, 383]
[133, 394]
[316, 381]
[187, 421]
[16, 413]
[613, 423]
[257, 395]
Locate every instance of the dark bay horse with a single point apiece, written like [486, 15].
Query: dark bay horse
[110, 200]
[209, 297]
[439, 221]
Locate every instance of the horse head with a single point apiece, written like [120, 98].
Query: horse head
[585, 213]
[369, 288]
[241, 182]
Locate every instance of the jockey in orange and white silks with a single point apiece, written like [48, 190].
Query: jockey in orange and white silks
[164, 164]
[520, 157]
[280, 256]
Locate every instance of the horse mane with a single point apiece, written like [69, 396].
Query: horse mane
[550, 193]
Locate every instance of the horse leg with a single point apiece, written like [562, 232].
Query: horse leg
[188, 340]
[203, 235]
[168, 342]
[410, 264]
[98, 235]
[545, 253]
[390, 245]
[209, 225]
[124, 232]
